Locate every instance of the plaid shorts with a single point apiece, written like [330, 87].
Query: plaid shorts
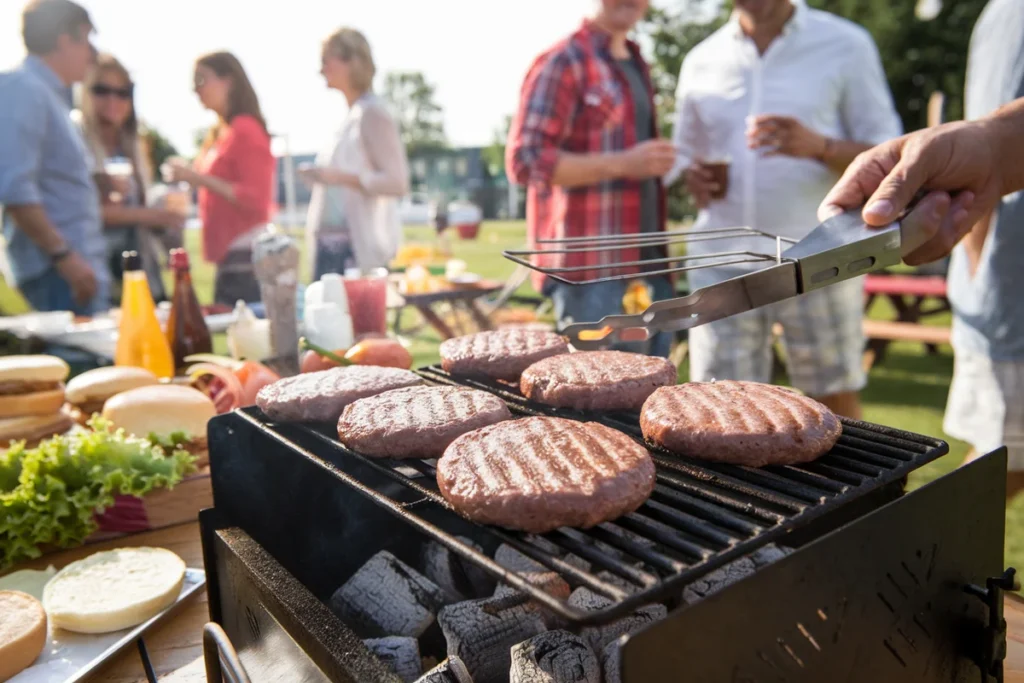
[822, 336]
[986, 405]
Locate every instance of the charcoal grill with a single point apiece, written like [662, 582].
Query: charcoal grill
[876, 590]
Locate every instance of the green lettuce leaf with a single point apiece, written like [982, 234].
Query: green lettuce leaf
[50, 494]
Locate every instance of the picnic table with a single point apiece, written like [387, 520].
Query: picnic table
[465, 298]
[913, 298]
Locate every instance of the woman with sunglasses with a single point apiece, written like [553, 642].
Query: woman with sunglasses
[234, 174]
[123, 173]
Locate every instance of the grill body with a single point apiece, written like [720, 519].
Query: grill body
[296, 515]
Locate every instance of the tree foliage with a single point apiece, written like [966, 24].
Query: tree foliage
[494, 153]
[420, 119]
[160, 149]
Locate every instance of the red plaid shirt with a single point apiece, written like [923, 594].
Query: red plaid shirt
[575, 99]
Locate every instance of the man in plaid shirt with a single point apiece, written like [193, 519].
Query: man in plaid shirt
[584, 142]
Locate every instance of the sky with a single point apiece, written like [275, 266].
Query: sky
[475, 52]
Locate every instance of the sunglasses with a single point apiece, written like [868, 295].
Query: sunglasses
[107, 91]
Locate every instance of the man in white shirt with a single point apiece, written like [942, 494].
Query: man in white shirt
[789, 95]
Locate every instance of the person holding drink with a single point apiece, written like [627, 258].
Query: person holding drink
[234, 174]
[771, 108]
[122, 173]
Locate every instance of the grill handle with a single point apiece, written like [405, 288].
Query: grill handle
[220, 654]
[994, 645]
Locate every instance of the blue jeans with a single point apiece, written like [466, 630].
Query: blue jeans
[590, 303]
[49, 292]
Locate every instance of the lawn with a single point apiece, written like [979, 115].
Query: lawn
[908, 390]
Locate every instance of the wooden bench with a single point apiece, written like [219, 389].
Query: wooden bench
[888, 331]
[913, 297]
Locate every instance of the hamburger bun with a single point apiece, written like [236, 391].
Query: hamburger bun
[34, 428]
[31, 385]
[34, 404]
[33, 369]
[102, 383]
[22, 632]
[161, 409]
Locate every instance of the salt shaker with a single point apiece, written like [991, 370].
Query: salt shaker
[276, 260]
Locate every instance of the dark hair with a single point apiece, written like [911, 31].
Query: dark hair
[44, 21]
[241, 97]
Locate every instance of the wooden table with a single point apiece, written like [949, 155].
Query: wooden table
[175, 648]
[459, 297]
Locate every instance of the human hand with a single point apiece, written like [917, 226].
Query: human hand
[175, 220]
[80, 276]
[785, 135]
[958, 163]
[701, 184]
[178, 170]
[648, 159]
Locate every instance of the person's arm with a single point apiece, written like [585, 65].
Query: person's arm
[249, 146]
[389, 168]
[119, 216]
[687, 130]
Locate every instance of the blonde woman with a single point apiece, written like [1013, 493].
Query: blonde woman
[122, 172]
[353, 216]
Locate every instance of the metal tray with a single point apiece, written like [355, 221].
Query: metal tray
[71, 657]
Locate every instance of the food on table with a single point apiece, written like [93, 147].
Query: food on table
[187, 332]
[114, 589]
[227, 382]
[499, 354]
[596, 380]
[140, 341]
[31, 385]
[33, 429]
[387, 353]
[31, 581]
[744, 423]
[76, 475]
[87, 392]
[417, 422]
[541, 473]
[169, 415]
[315, 362]
[322, 396]
[248, 336]
[22, 632]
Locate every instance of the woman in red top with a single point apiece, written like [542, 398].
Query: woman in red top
[234, 174]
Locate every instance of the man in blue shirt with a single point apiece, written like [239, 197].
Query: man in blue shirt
[52, 220]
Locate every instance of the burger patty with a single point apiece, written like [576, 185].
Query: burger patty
[744, 423]
[499, 354]
[417, 422]
[16, 387]
[322, 396]
[597, 380]
[87, 408]
[541, 473]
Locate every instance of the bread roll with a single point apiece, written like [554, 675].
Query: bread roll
[22, 632]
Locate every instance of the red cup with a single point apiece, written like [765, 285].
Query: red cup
[367, 294]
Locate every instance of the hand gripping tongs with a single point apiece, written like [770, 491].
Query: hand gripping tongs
[841, 248]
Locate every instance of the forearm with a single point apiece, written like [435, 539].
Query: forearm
[838, 154]
[32, 220]
[576, 170]
[117, 216]
[217, 185]
[1006, 126]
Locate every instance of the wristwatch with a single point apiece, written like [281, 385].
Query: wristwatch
[57, 256]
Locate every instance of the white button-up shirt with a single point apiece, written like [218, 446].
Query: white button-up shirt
[824, 71]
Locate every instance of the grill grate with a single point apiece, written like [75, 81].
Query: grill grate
[700, 516]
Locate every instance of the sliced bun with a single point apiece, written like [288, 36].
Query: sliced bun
[161, 409]
[34, 428]
[37, 403]
[102, 383]
[22, 632]
[33, 369]
[113, 590]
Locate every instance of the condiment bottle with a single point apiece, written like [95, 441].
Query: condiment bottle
[140, 341]
[187, 332]
[276, 260]
[327, 322]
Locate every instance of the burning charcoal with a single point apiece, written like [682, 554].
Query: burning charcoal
[618, 582]
[482, 632]
[577, 561]
[719, 579]
[400, 654]
[549, 582]
[770, 553]
[451, 670]
[386, 597]
[460, 579]
[599, 636]
[513, 560]
[611, 662]
[554, 657]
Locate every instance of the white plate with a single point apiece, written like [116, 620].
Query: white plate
[465, 279]
[71, 657]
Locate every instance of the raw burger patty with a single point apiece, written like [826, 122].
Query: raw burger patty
[417, 422]
[597, 380]
[541, 473]
[321, 396]
[499, 354]
[744, 423]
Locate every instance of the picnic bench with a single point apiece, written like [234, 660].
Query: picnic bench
[913, 298]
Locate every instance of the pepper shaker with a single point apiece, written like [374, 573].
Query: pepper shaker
[276, 260]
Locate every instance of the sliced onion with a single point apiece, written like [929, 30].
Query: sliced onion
[223, 361]
[225, 390]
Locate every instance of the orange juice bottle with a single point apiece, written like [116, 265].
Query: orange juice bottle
[140, 341]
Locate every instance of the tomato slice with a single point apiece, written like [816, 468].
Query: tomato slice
[254, 376]
[219, 383]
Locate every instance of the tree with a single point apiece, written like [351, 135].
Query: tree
[420, 119]
[160, 148]
[494, 153]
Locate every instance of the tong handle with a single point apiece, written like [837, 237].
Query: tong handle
[912, 237]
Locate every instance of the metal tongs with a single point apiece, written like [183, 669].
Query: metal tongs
[841, 248]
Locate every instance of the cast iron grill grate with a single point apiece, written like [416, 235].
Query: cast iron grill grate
[700, 517]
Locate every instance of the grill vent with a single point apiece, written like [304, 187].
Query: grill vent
[905, 594]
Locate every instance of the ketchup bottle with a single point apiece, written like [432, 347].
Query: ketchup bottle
[187, 332]
[140, 341]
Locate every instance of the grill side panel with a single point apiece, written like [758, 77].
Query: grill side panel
[880, 599]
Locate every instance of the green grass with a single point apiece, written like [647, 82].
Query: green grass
[907, 390]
